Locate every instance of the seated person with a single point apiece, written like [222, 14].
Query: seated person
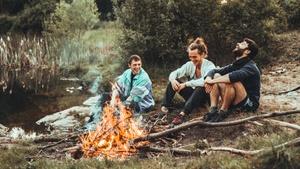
[193, 90]
[133, 87]
[238, 84]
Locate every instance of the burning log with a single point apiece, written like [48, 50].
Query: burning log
[112, 135]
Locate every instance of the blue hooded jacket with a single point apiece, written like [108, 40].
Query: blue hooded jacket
[140, 91]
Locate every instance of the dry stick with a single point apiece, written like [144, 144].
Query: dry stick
[226, 149]
[173, 150]
[71, 149]
[250, 153]
[53, 139]
[205, 124]
[61, 141]
[284, 124]
[296, 88]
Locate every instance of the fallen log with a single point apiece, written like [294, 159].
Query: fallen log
[185, 126]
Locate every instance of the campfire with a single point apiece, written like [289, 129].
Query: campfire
[112, 136]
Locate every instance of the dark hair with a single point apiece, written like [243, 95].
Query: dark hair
[134, 57]
[199, 44]
[252, 46]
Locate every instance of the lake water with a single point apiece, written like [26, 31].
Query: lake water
[29, 95]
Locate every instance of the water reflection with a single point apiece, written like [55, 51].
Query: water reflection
[27, 95]
[34, 79]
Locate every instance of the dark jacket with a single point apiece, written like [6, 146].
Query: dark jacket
[246, 72]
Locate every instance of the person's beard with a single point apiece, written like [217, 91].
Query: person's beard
[238, 52]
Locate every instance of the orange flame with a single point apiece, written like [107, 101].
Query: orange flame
[112, 136]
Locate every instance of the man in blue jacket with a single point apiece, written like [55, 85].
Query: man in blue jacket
[133, 88]
[238, 84]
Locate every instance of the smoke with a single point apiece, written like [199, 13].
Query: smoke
[95, 86]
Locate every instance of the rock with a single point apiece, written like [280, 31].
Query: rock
[3, 130]
[68, 119]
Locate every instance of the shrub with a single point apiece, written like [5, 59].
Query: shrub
[292, 10]
[160, 30]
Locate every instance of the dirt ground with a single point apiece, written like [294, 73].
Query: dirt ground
[277, 79]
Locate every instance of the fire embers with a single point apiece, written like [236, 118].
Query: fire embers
[112, 136]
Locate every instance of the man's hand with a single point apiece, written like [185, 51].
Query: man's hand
[208, 84]
[208, 87]
[181, 86]
[127, 102]
[175, 84]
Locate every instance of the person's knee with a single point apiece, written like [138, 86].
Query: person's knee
[199, 89]
[238, 85]
[217, 75]
[229, 85]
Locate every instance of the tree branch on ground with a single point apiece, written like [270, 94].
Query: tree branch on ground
[284, 124]
[294, 89]
[293, 142]
[185, 126]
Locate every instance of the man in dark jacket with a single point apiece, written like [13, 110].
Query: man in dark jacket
[238, 84]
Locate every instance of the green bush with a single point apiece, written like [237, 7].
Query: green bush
[6, 23]
[292, 10]
[72, 20]
[160, 30]
[29, 19]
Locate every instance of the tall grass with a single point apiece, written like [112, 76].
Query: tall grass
[95, 46]
[92, 55]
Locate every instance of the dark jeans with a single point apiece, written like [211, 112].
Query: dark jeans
[193, 97]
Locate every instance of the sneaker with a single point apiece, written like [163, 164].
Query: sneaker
[158, 114]
[208, 116]
[178, 119]
[211, 114]
[220, 116]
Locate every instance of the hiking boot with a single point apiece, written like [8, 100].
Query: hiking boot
[158, 114]
[220, 116]
[210, 115]
[178, 119]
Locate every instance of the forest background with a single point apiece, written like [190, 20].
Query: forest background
[96, 37]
